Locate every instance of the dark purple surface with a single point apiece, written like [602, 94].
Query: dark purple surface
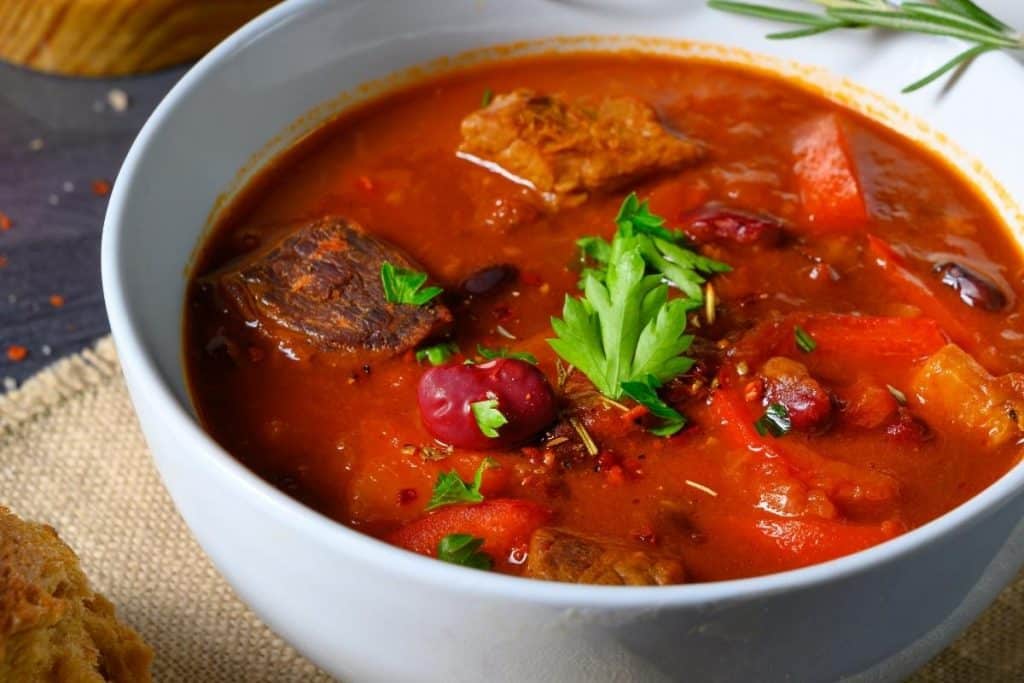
[53, 246]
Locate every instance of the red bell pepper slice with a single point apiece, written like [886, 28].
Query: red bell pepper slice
[827, 178]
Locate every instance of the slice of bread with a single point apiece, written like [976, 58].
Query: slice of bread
[53, 627]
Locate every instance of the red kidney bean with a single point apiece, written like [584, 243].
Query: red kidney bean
[974, 289]
[715, 223]
[523, 394]
[489, 279]
[787, 382]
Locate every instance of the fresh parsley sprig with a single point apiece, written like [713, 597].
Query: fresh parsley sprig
[625, 327]
[450, 489]
[646, 394]
[405, 286]
[662, 249]
[961, 19]
[464, 550]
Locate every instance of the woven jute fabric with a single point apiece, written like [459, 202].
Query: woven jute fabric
[72, 455]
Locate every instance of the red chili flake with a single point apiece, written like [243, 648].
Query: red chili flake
[16, 353]
[56, 300]
[256, 354]
[5, 222]
[406, 496]
[635, 413]
[531, 278]
[615, 475]
[364, 183]
[100, 187]
[645, 534]
[3, 261]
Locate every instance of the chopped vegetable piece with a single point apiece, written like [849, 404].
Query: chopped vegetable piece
[503, 523]
[502, 352]
[645, 393]
[867, 403]
[804, 341]
[464, 550]
[900, 397]
[789, 383]
[911, 288]
[487, 97]
[864, 337]
[488, 418]
[826, 177]
[954, 390]
[404, 286]
[438, 354]
[451, 489]
[775, 421]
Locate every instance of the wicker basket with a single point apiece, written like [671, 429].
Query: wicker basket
[116, 37]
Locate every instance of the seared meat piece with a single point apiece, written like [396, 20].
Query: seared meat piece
[788, 382]
[559, 555]
[322, 282]
[565, 150]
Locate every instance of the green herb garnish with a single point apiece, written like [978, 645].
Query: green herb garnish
[488, 418]
[502, 352]
[662, 249]
[961, 19]
[450, 488]
[775, 421]
[624, 328]
[487, 97]
[403, 286]
[438, 354]
[463, 549]
[804, 341]
[646, 394]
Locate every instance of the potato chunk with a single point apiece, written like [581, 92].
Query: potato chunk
[566, 149]
[955, 390]
[559, 555]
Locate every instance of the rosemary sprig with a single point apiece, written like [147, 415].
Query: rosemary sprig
[961, 19]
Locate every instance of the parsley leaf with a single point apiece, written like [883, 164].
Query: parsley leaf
[660, 247]
[624, 327]
[488, 418]
[463, 549]
[487, 97]
[450, 488]
[645, 393]
[403, 286]
[804, 341]
[635, 218]
[438, 354]
[775, 421]
[502, 352]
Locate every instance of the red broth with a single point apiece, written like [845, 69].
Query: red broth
[343, 434]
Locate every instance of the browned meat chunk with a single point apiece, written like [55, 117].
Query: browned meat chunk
[323, 283]
[559, 555]
[566, 150]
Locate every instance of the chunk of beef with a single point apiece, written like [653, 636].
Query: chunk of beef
[568, 149]
[560, 555]
[322, 283]
[788, 382]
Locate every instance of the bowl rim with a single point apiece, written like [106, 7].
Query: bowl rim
[144, 374]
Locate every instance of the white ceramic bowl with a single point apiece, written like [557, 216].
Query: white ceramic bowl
[366, 611]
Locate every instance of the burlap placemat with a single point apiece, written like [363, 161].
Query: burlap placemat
[72, 455]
